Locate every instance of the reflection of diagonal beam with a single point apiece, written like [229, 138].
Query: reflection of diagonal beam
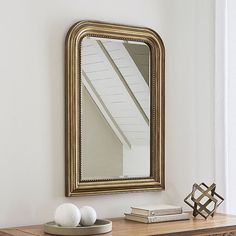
[120, 76]
[102, 107]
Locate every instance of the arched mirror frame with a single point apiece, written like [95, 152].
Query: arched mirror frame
[74, 184]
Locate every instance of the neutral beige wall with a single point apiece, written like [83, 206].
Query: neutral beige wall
[32, 101]
[102, 152]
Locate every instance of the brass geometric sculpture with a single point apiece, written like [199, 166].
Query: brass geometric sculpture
[204, 200]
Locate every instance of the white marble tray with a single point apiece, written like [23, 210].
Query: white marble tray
[100, 227]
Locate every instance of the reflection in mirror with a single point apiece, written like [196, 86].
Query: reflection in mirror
[115, 109]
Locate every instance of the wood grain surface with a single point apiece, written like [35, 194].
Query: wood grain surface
[220, 225]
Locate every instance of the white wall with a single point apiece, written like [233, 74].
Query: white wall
[220, 99]
[225, 101]
[230, 97]
[189, 40]
[32, 100]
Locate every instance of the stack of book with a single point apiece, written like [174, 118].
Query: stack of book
[157, 213]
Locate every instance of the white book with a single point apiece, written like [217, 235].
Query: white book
[156, 210]
[156, 219]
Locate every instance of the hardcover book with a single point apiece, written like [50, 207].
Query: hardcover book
[156, 210]
[156, 219]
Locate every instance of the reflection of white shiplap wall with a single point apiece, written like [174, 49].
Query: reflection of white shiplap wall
[141, 56]
[129, 70]
[113, 93]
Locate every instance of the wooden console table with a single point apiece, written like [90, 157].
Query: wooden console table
[220, 225]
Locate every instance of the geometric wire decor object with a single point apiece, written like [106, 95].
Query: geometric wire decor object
[204, 200]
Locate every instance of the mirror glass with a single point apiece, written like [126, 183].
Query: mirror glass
[115, 109]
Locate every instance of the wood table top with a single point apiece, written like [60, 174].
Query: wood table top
[221, 223]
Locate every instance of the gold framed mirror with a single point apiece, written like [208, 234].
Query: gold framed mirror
[115, 108]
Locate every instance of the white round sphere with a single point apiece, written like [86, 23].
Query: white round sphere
[88, 216]
[67, 215]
